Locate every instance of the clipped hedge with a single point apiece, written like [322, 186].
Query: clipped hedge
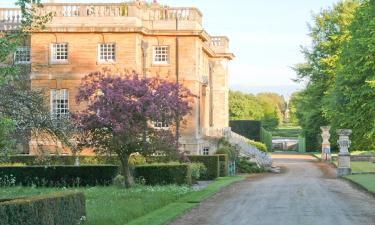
[60, 175]
[247, 128]
[32, 160]
[65, 208]
[212, 164]
[224, 165]
[161, 174]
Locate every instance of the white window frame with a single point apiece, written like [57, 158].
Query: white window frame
[100, 52]
[160, 55]
[206, 151]
[54, 54]
[21, 55]
[59, 109]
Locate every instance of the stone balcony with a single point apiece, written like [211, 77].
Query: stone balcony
[214, 132]
[10, 19]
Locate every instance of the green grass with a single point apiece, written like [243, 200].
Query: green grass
[112, 205]
[286, 132]
[360, 167]
[365, 180]
[173, 210]
[138, 205]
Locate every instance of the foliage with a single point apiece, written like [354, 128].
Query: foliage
[137, 159]
[58, 208]
[259, 145]
[243, 165]
[247, 128]
[62, 176]
[287, 132]
[266, 138]
[329, 34]
[350, 102]
[7, 127]
[120, 205]
[198, 170]
[212, 164]
[224, 165]
[162, 174]
[120, 111]
[267, 107]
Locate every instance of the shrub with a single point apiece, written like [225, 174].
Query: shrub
[119, 181]
[61, 175]
[67, 208]
[224, 165]
[197, 170]
[212, 164]
[162, 174]
[260, 146]
[243, 165]
[137, 159]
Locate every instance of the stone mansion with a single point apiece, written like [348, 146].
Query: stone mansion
[145, 37]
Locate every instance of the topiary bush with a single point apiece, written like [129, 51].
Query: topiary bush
[197, 171]
[67, 208]
[212, 164]
[162, 174]
[60, 176]
[260, 146]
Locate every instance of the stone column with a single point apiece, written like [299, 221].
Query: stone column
[326, 146]
[344, 155]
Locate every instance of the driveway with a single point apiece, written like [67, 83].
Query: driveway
[306, 193]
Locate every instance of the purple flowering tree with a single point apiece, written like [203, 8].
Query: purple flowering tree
[120, 111]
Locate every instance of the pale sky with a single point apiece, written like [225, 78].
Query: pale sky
[264, 35]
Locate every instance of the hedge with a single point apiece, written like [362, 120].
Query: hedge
[60, 175]
[161, 174]
[212, 164]
[32, 160]
[224, 165]
[247, 128]
[66, 208]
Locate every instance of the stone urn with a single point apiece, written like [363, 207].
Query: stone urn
[344, 154]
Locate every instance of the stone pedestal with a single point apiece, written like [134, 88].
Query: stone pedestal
[343, 167]
[326, 145]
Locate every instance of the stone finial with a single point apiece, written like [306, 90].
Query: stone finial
[326, 145]
[344, 155]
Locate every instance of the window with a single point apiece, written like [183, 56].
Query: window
[161, 55]
[164, 123]
[59, 103]
[107, 52]
[59, 52]
[22, 55]
[206, 151]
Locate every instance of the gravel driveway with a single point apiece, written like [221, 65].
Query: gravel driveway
[306, 193]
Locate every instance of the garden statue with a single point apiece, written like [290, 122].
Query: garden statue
[344, 155]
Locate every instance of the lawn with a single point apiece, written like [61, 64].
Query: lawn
[288, 131]
[139, 205]
[365, 180]
[112, 205]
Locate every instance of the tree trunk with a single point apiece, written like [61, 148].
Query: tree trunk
[129, 180]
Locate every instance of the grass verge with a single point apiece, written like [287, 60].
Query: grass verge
[173, 210]
[367, 181]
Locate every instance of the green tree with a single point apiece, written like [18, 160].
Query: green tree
[351, 103]
[328, 33]
[244, 107]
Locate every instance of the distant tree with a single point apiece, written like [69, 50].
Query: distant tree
[120, 113]
[244, 106]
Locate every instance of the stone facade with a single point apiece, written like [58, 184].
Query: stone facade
[136, 29]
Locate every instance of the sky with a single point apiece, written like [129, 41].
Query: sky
[265, 37]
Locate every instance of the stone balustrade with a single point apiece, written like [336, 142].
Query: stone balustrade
[219, 44]
[216, 132]
[10, 19]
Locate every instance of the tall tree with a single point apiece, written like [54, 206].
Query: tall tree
[328, 34]
[119, 106]
[351, 103]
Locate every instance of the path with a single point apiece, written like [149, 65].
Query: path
[307, 193]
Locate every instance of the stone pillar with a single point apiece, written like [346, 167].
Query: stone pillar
[326, 146]
[344, 155]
